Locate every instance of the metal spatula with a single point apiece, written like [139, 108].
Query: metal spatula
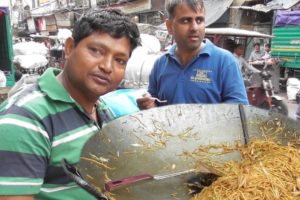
[111, 185]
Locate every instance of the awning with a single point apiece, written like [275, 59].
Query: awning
[217, 31]
[236, 32]
[134, 6]
[272, 5]
[214, 9]
[44, 10]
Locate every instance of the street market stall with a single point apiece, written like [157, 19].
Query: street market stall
[158, 141]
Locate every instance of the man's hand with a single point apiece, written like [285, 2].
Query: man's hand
[257, 62]
[146, 102]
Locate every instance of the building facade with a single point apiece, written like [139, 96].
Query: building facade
[46, 16]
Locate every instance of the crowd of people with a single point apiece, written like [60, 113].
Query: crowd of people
[52, 119]
[258, 54]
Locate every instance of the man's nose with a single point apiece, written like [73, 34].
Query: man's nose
[194, 25]
[106, 64]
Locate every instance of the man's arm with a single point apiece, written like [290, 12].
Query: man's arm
[251, 57]
[24, 152]
[146, 101]
[249, 67]
[16, 197]
[233, 90]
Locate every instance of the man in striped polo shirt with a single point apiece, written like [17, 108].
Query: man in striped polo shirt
[52, 119]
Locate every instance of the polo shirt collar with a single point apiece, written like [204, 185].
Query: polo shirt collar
[52, 87]
[207, 50]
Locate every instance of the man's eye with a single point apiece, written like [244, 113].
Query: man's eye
[121, 61]
[96, 51]
[199, 20]
[185, 21]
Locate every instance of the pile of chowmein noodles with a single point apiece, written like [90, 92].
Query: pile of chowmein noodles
[267, 170]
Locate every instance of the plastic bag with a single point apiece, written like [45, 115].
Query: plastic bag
[123, 101]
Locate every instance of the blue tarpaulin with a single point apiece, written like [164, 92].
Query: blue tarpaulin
[4, 10]
[287, 18]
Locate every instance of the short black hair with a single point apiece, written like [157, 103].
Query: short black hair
[238, 45]
[193, 4]
[256, 43]
[111, 21]
[267, 45]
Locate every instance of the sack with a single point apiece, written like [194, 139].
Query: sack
[31, 61]
[293, 82]
[28, 48]
[291, 92]
[2, 79]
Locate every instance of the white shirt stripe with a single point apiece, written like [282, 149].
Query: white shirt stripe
[30, 97]
[74, 136]
[24, 125]
[49, 190]
[20, 183]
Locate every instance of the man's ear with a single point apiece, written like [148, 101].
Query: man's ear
[69, 45]
[169, 26]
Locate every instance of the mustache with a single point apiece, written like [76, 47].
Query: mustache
[193, 33]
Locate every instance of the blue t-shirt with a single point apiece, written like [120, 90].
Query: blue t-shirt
[298, 113]
[213, 76]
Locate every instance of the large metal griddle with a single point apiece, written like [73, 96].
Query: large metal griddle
[122, 144]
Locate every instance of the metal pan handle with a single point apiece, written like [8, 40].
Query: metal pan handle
[75, 175]
[111, 185]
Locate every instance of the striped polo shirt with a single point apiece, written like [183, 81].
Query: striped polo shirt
[39, 126]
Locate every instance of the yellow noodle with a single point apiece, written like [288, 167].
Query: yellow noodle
[267, 171]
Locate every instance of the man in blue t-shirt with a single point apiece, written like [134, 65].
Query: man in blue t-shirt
[298, 113]
[194, 70]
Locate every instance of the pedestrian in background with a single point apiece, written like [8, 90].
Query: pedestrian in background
[256, 54]
[245, 68]
[194, 70]
[267, 51]
[51, 120]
